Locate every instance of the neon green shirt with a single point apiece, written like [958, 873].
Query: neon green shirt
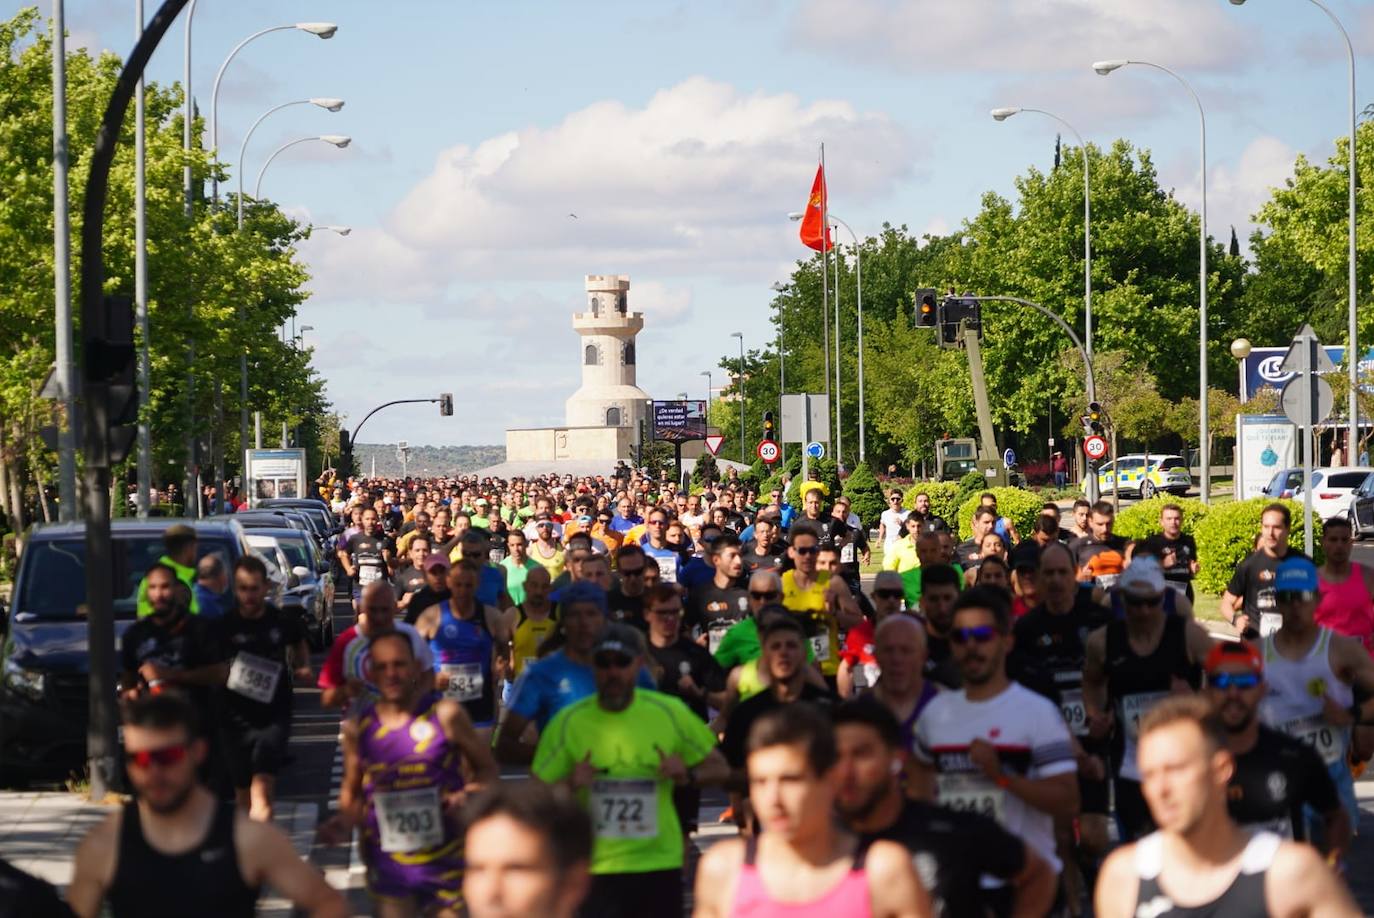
[637, 828]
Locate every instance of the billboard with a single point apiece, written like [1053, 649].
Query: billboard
[275, 473]
[1261, 367]
[1265, 443]
[680, 421]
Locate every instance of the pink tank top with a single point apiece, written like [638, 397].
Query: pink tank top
[1347, 608]
[847, 898]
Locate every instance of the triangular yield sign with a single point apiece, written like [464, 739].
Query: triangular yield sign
[714, 442]
[1292, 361]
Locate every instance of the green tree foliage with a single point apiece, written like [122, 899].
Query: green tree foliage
[227, 291]
[944, 497]
[1226, 535]
[865, 495]
[1021, 507]
[705, 471]
[1141, 519]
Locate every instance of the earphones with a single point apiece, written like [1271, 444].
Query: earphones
[895, 767]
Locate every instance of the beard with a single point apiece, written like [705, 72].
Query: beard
[862, 808]
[173, 803]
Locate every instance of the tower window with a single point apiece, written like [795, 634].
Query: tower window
[620, 303]
[592, 355]
[612, 417]
[596, 305]
[629, 355]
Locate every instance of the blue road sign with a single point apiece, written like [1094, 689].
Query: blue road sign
[815, 450]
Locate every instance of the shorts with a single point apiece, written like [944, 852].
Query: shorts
[252, 751]
[634, 895]
[435, 883]
[1133, 819]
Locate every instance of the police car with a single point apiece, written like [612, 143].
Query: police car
[1128, 473]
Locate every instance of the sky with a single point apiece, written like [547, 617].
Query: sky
[681, 135]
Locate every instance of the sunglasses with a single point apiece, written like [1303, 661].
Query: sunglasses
[979, 635]
[1237, 680]
[164, 757]
[763, 594]
[1139, 601]
[889, 594]
[657, 523]
[611, 661]
[806, 550]
[632, 572]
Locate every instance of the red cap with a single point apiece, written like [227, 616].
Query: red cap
[1237, 652]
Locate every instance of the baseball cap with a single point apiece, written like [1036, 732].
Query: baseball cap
[435, 560]
[1240, 652]
[620, 638]
[1295, 575]
[1143, 578]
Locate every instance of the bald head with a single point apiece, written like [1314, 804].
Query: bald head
[899, 646]
[377, 606]
[900, 628]
[765, 580]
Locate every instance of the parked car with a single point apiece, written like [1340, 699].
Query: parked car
[310, 585]
[1166, 473]
[44, 662]
[1333, 489]
[1284, 484]
[326, 524]
[280, 518]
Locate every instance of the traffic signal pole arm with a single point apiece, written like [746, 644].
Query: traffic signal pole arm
[400, 401]
[1068, 330]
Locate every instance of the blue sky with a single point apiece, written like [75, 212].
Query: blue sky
[681, 134]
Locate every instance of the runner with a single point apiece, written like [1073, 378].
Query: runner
[465, 636]
[682, 667]
[969, 553]
[892, 522]
[823, 603]
[899, 645]
[410, 579]
[718, 604]
[623, 750]
[180, 542]
[263, 644]
[950, 849]
[528, 849]
[1248, 603]
[405, 755]
[939, 591]
[858, 666]
[1176, 550]
[435, 568]
[1129, 666]
[518, 565]
[545, 550]
[626, 598]
[994, 746]
[1199, 862]
[345, 679]
[535, 621]
[1101, 554]
[366, 556]
[656, 547]
[765, 549]
[176, 850]
[803, 864]
[1312, 674]
[1276, 775]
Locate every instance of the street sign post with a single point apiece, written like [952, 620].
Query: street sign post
[1307, 400]
[714, 443]
[768, 451]
[805, 418]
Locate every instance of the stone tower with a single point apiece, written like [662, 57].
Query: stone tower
[608, 396]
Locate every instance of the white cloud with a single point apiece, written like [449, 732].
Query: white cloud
[934, 36]
[1236, 190]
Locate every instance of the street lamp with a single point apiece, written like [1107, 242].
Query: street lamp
[1352, 358]
[707, 374]
[323, 30]
[1240, 349]
[838, 407]
[740, 336]
[1002, 114]
[1104, 68]
[340, 230]
[339, 140]
[780, 287]
[328, 104]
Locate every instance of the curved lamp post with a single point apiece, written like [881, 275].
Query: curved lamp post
[328, 104]
[339, 140]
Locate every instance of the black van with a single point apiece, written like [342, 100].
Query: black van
[44, 668]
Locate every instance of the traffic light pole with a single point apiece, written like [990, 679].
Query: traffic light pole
[101, 742]
[345, 460]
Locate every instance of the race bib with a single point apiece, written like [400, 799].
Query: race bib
[1134, 707]
[409, 820]
[847, 554]
[973, 794]
[254, 677]
[1269, 623]
[625, 808]
[820, 647]
[667, 569]
[714, 635]
[1075, 711]
[1315, 731]
[367, 574]
[1107, 581]
[464, 680]
[1266, 599]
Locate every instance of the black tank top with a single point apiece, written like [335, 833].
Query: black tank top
[1135, 683]
[204, 881]
[1244, 898]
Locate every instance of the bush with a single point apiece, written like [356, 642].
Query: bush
[865, 495]
[974, 482]
[1140, 521]
[705, 471]
[942, 496]
[1016, 504]
[1226, 535]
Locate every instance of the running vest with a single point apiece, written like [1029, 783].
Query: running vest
[1347, 608]
[809, 606]
[1244, 898]
[204, 880]
[1293, 698]
[462, 648]
[1136, 684]
[530, 635]
[848, 898]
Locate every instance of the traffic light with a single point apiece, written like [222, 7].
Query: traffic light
[1095, 421]
[446, 404]
[345, 453]
[109, 368]
[953, 310]
[768, 430]
[926, 307]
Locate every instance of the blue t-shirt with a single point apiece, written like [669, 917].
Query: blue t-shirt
[550, 684]
[625, 523]
[490, 585]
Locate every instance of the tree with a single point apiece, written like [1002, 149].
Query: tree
[865, 495]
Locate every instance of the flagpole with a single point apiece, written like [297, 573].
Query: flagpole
[825, 279]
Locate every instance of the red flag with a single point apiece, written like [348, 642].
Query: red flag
[814, 218]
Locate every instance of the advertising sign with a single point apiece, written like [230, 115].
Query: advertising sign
[275, 473]
[1264, 367]
[1265, 443]
[680, 421]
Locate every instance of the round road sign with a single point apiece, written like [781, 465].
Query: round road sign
[1094, 447]
[768, 451]
[815, 450]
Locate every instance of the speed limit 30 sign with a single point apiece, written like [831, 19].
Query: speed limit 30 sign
[1094, 447]
[768, 451]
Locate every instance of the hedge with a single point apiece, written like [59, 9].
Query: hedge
[1226, 535]
[1020, 506]
[1140, 521]
[942, 497]
[865, 495]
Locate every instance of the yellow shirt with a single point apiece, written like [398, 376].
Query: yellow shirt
[902, 557]
[554, 565]
[529, 635]
[810, 604]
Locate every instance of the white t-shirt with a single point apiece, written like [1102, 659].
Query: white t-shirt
[1031, 740]
[894, 526]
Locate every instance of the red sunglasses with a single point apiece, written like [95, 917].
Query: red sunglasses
[164, 757]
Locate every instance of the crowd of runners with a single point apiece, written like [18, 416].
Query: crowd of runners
[546, 679]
